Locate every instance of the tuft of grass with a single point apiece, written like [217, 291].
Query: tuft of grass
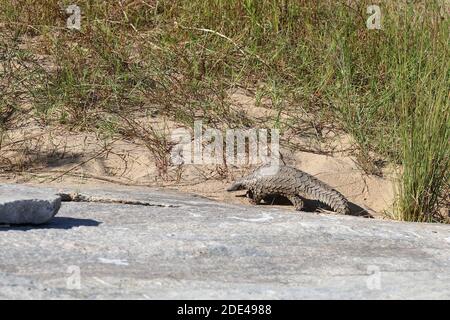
[424, 132]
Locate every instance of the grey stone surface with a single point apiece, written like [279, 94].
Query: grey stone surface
[21, 204]
[190, 247]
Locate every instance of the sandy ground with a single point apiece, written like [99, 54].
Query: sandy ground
[35, 155]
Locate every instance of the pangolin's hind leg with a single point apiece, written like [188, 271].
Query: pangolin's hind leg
[297, 202]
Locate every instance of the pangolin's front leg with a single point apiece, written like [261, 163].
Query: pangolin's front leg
[255, 197]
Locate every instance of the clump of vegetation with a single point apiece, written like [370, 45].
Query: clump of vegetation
[388, 88]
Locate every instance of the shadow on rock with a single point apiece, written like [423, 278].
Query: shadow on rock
[356, 210]
[314, 205]
[64, 223]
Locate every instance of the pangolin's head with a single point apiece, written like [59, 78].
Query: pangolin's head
[238, 185]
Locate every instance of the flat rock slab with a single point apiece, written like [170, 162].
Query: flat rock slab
[21, 204]
[186, 247]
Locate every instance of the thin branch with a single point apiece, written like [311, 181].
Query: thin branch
[244, 52]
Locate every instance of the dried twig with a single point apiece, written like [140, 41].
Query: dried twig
[244, 52]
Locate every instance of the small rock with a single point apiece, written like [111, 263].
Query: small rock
[21, 204]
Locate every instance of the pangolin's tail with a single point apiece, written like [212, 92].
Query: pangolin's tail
[318, 190]
[324, 193]
[336, 201]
